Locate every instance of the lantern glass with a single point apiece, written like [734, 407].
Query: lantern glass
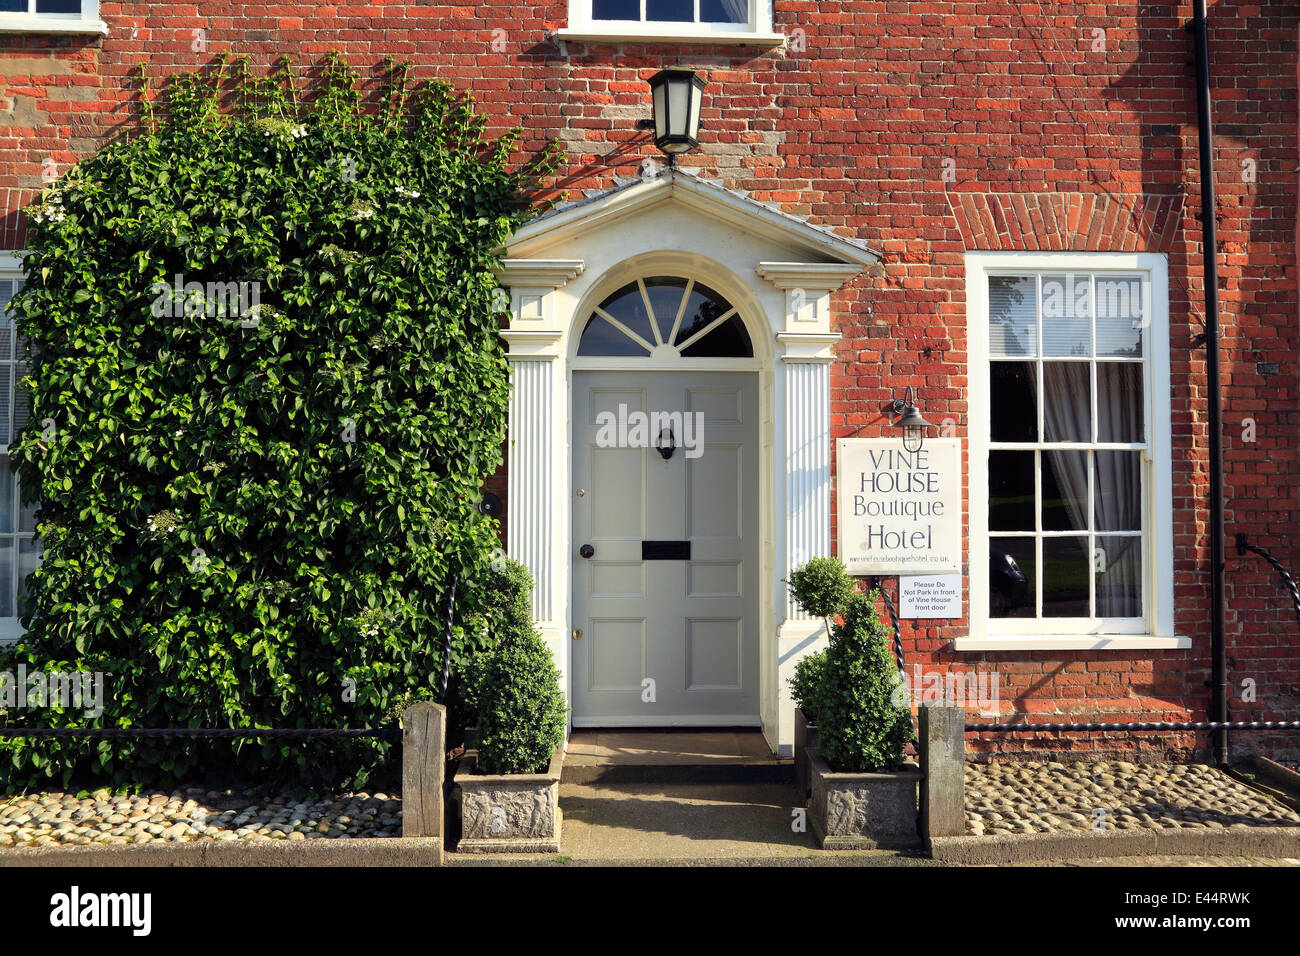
[913, 438]
[676, 97]
[679, 107]
[661, 111]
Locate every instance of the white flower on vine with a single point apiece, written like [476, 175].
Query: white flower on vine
[407, 193]
[163, 523]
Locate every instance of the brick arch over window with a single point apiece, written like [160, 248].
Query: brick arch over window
[1066, 222]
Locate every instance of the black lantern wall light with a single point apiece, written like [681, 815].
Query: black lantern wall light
[676, 95]
[910, 421]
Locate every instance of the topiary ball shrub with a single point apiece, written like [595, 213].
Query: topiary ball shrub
[861, 727]
[267, 387]
[822, 586]
[521, 709]
[806, 683]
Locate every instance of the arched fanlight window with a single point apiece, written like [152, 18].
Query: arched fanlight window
[664, 313]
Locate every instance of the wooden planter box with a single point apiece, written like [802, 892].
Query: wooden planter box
[853, 811]
[805, 739]
[509, 813]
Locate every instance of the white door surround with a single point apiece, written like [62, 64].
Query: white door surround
[779, 273]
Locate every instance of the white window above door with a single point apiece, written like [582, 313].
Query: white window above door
[671, 21]
[1071, 523]
[51, 16]
[665, 317]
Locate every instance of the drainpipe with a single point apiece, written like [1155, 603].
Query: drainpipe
[1210, 261]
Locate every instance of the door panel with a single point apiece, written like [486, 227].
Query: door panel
[666, 642]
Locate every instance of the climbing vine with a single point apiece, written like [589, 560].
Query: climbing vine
[266, 389]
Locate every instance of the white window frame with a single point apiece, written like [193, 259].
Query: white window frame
[87, 21]
[11, 629]
[757, 32]
[1156, 629]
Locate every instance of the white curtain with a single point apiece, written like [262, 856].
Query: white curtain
[738, 10]
[1067, 417]
[1119, 490]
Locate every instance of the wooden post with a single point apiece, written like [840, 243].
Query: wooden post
[424, 736]
[943, 760]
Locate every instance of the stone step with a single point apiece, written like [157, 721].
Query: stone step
[673, 756]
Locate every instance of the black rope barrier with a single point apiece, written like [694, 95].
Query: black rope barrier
[1148, 725]
[1287, 580]
[898, 633]
[217, 733]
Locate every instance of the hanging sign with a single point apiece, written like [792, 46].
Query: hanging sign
[899, 511]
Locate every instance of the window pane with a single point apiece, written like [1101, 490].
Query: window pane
[6, 321]
[601, 338]
[6, 374]
[1067, 401]
[1117, 488]
[616, 9]
[1067, 315]
[1065, 490]
[1013, 316]
[728, 340]
[22, 398]
[705, 306]
[724, 11]
[665, 298]
[13, 6]
[6, 577]
[1122, 305]
[1011, 577]
[26, 513]
[628, 307]
[1119, 577]
[1120, 412]
[675, 10]
[1066, 565]
[1011, 491]
[58, 6]
[1013, 402]
[8, 497]
[29, 559]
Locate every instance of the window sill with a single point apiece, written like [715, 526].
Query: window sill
[693, 37]
[1073, 642]
[10, 23]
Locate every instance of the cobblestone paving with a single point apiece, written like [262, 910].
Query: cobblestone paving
[1035, 797]
[50, 819]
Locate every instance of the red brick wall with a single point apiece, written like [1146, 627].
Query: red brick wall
[1060, 137]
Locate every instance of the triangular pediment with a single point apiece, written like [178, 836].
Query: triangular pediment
[690, 196]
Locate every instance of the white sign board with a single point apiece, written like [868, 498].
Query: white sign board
[899, 511]
[929, 596]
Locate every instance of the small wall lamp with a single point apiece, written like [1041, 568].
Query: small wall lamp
[910, 421]
[676, 95]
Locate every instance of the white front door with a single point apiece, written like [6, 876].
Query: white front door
[666, 605]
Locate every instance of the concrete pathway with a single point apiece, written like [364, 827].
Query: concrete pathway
[690, 824]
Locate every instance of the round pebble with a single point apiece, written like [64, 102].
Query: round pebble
[192, 815]
[1036, 797]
